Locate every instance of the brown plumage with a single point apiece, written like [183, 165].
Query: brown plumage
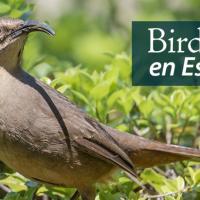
[47, 138]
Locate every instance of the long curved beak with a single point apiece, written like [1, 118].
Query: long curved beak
[31, 26]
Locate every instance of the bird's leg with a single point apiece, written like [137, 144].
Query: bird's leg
[88, 194]
[75, 195]
[86, 197]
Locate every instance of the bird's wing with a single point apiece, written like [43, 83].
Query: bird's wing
[87, 133]
[99, 143]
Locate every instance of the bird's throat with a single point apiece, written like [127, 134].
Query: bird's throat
[11, 56]
[10, 62]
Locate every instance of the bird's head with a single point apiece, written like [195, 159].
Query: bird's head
[13, 34]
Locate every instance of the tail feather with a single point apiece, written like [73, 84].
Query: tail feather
[190, 153]
[157, 153]
[147, 153]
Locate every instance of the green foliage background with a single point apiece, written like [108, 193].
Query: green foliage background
[89, 61]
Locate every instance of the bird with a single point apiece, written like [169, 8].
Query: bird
[47, 138]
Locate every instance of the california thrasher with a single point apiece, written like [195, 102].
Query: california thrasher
[47, 138]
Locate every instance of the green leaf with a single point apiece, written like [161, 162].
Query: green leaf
[86, 81]
[80, 97]
[4, 8]
[147, 107]
[114, 97]
[101, 90]
[63, 88]
[13, 196]
[46, 80]
[122, 127]
[170, 198]
[16, 13]
[161, 183]
[197, 176]
[14, 183]
[178, 97]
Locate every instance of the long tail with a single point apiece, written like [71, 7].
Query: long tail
[147, 153]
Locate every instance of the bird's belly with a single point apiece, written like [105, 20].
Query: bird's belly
[34, 165]
[50, 169]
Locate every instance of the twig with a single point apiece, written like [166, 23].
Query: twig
[166, 194]
[5, 189]
[168, 131]
[160, 171]
[134, 179]
[183, 129]
[160, 195]
[75, 196]
[45, 197]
